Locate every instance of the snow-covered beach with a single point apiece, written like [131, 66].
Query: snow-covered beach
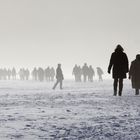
[31, 110]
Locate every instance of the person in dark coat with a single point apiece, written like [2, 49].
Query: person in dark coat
[59, 77]
[119, 62]
[134, 74]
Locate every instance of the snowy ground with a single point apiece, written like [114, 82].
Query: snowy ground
[33, 111]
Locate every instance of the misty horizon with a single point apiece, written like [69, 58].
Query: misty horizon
[45, 33]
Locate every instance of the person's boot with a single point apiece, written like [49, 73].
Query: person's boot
[120, 93]
[137, 92]
[115, 92]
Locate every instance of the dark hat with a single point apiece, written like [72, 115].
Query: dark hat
[119, 48]
[138, 56]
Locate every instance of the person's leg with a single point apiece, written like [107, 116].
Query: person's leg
[88, 78]
[84, 78]
[101, 79]
[137, 91]
[55, 84]
[75, 78]
[61, 84]
[120, 86]
[115, 86]
[80, 78]
[91, 78]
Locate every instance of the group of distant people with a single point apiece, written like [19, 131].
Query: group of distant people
[120, 67]
[38, 74]
[24, 74]
[41, 74]
[7, 74]
[48, 74]
[87, 72]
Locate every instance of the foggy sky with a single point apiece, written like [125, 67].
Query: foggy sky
[47, 32]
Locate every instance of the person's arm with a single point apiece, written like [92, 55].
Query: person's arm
[73, 71]
[131, 70]
[110, 64]
[127, 64]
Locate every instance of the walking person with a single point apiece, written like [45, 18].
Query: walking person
[52, 73]
[59, 77]
[91, 73]
[119, 62]
[34, 73]
[100, 73]
[14, 73]
[134, 74]
[85, 70]
[75, 72]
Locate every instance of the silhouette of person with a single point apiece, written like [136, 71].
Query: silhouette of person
[14, 73]
[79, 74]
[9, 74]
[21, 74]
[91, 73]
[59, 76]
[75, 73]
[100, 73]
[47, 74]
[52, 74]
[0, 74]
[34, 74]
[27, 74]
[134, 74]
[119, 62]
[85, 72]
[4, 74]
[40, 74]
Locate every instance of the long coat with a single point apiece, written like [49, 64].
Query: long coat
[119, 62]
[134, 73]
[59, 74]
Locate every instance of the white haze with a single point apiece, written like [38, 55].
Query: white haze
[47, 32]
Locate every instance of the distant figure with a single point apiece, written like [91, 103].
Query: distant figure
[100, 73]
[52, 74]
[85, 72]
[40, 74]
[75, 73]
[34, 74]
[119, 62]
[27, 74]
[47, 74]
[59, 76]
[79, 74]
[134, 74]
[14, 74]
[0, 74]
[21, 74]
[9, 74]
[4, 74]
[91, 73]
